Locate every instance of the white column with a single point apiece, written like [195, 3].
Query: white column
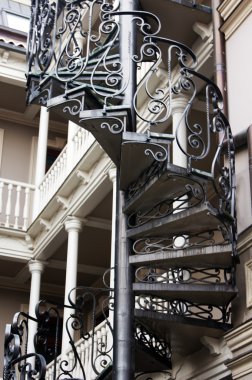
[178, 122]
[41, 155]
[72, 130]
[73, 227]
[178, 157]
[36, 269]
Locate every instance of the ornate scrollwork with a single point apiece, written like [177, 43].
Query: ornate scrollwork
[146, 176]
[179, 241]
[17, 362]
[156, 344]
[91, 300]
[183, 275]
[184, 308]
[191, 196]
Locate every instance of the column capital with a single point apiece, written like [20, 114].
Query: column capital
[112, 174]
[179, 104]
[36, 266]
[72, 223]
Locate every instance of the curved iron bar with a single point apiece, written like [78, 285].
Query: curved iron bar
[185, 309]
[16, 358]
[149, 339]
[88, 299]
[45, 316]
[183, 275]
[177, 242]
[113, 124]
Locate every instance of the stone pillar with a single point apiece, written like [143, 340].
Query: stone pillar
[41, 154]
[36, 269]
[73, 226]
[178, 121]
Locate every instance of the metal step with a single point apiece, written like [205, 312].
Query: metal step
[184, 333]
[140, 151]
[212, 294]
[190, 221]
[210, 256]
[157, 185]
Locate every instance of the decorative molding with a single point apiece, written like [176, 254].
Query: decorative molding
[29, 241]
[45, 224]
[203, 30]
[244, 241]
[83, 176]
[239, 341]
[215, 346]
[236, 18]
[248, 283]
[63, 201]
[227, 7]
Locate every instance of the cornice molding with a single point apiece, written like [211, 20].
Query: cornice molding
[244, 241]
[239, 341]
[227, 8]
[236, 17]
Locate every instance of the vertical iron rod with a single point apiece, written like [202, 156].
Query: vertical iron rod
[124, 355]
[127, 51]
[123, 360]
[219, 54]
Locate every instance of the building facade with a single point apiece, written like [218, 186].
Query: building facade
[59, 185]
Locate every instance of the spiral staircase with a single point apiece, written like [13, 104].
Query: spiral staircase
[180, 219]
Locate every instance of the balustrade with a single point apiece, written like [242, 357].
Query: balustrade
[15, 201]
[60, 169]
[86, 353]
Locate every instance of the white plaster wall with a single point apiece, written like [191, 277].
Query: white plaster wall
[239, 76]
[244, 214]
[16, 151]
[239, 81]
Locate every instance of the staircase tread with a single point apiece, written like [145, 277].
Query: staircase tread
[167, 182]
[193, 220]
[209, 256]
[178, 329]
[212, 294]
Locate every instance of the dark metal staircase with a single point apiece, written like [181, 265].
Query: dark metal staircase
[177, 224]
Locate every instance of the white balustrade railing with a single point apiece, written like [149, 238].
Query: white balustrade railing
[15, 201]
[102, 339]
[143, 69]
[63, 165]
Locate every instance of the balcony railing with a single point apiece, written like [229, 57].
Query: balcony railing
[87, 349]
[62, 167]
[15, 201]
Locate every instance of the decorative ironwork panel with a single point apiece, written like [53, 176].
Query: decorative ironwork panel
[184, 309]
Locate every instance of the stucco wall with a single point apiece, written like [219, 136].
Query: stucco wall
[239, 76]
[16, 151]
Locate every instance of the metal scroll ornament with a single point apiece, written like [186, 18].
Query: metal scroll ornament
[18, 363]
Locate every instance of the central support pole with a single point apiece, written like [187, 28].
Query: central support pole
[127, 51]
[124, 353]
